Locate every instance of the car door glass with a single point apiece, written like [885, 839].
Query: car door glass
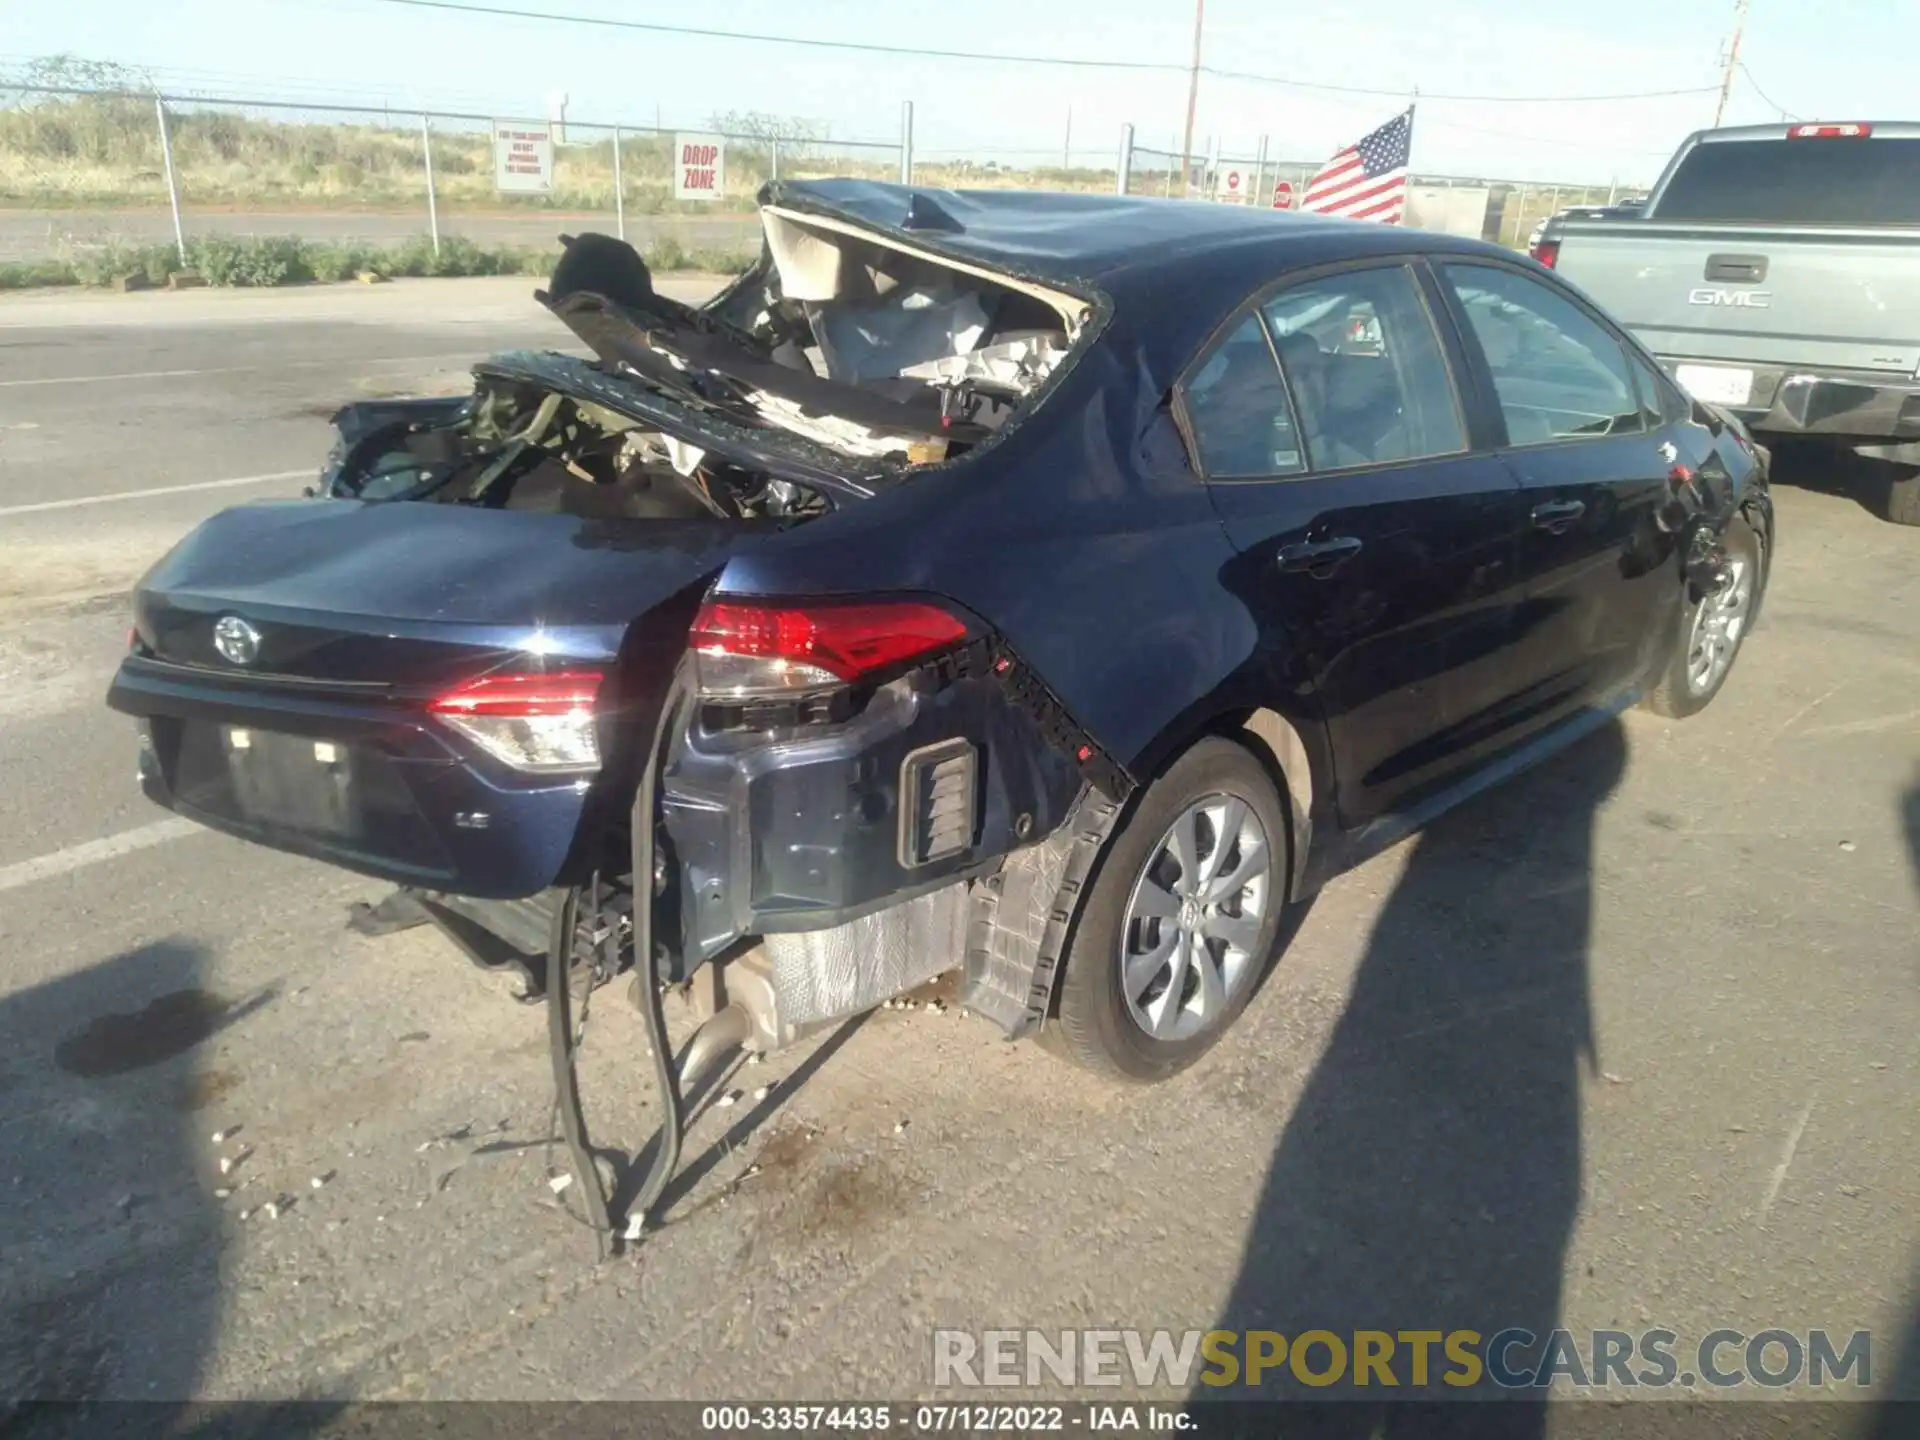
[1558, 373]
[1238, 409]
[1656, 403]
[1669, 400]
[1365, 369]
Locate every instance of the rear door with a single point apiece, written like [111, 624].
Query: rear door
[1592, 462]
[1380, 538]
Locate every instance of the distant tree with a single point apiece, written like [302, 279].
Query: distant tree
[792, 133]
[76, 72]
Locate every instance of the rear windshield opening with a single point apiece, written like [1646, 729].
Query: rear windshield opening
[1821, 181]
[842, 305]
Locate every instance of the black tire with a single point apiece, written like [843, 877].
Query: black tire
[1676, 694]
[1093, 1026]
[1903, 499]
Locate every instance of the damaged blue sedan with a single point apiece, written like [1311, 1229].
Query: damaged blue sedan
[1048, 588]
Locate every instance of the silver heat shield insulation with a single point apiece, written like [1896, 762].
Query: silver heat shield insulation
[824, 974]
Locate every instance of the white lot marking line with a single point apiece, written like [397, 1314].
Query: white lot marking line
[1786, 1159]
[341, 364]
[78, 857]
[42, 506]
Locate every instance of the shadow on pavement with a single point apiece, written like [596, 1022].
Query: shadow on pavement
[1428, 1179]
[1899, 1411]
[1833, 469]
[113, 1240]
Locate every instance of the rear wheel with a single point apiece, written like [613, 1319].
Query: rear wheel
[1181, 921]
[1712, 629]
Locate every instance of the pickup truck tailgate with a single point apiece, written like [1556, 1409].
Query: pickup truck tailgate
[1816, 297]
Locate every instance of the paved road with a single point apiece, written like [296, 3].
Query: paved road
[1627, 1043]
[36, 234]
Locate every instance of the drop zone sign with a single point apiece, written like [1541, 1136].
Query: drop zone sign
[699, 167]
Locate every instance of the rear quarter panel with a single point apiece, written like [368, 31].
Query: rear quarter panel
[1083, 540]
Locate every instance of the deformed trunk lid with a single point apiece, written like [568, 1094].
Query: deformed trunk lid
[377, 592]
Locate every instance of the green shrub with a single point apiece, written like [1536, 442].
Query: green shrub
[717, 261]
[263, 260]
[22, 274]
[250, 260]
[665, 252]
[341, 260]
[108, 263]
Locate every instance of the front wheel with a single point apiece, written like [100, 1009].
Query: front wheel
[1712, 629]
[1181, 921]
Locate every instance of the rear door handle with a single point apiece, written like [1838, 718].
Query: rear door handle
[1556, 516]
[1318, 558]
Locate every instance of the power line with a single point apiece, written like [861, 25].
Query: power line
[1425, 95]
[1066, 61]
[1785, 113]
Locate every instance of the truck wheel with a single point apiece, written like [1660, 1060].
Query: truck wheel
[1712, 630]
[1180, 922]
[1903, 499]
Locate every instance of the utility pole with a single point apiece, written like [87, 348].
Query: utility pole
[1193, 101]
[1733, 59]
[1066, 145]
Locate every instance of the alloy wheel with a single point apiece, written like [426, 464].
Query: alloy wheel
[1719, 621]
[1194, 919]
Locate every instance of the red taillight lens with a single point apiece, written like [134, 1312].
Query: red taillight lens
[743, 648]
[1830, 132]
[1547, 252]
[521, 695]
[539, 723]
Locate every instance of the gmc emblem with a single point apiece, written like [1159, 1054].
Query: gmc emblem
[1739, 299]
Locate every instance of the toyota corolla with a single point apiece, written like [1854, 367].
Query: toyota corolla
[1050, 588]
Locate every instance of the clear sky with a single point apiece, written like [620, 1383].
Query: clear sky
[1836, 59]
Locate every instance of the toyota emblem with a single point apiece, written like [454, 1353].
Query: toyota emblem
[236, 640]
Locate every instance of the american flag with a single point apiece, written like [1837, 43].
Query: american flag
[1367, 181]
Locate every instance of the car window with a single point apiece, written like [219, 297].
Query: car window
[1365, 369]
[1558, 373]
[1847, 180]
[1660, 401]
[1238, 409]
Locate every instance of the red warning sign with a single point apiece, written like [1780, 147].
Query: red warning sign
[1283, 195]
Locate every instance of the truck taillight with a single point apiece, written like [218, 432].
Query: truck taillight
[1830, 132]
[1547, 252]
[744, 649]
[538, 723]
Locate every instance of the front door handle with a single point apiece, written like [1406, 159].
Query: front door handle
[1557, 516]
[1318, 558]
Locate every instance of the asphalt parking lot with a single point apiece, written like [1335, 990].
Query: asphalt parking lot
[1627, 1043]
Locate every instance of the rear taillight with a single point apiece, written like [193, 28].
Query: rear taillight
[1547, 252]
[1830, 132]
[538, 723]
[744, 649]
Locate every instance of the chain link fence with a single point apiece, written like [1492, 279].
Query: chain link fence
[85, 171]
